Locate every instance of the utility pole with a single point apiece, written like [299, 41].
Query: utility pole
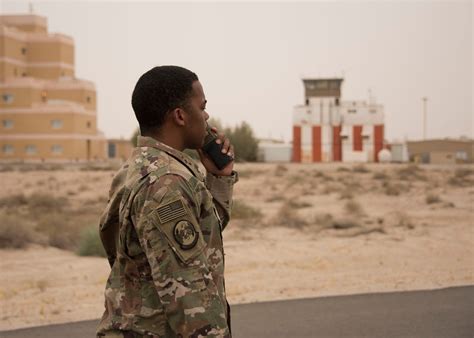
[424, 116]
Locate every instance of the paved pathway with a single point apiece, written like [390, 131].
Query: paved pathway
[439, 313]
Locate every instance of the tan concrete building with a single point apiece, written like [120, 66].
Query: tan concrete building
[119, 149]
[46, 113]
[441, 151]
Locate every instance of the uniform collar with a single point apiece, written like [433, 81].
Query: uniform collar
[146, 141]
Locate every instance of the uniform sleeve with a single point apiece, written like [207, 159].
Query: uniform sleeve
[173, 242]
[109, 220]
[221, 189]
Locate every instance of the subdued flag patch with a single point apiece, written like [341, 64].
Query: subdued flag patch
[171, 211]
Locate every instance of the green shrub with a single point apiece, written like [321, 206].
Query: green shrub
[90, 243]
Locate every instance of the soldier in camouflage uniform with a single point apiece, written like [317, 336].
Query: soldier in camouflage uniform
[162, 228]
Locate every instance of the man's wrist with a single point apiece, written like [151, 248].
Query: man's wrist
[234, 176]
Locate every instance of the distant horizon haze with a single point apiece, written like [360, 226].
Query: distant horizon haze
[251, 57]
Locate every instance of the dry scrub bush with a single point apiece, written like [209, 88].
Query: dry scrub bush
[345, 223]
[360, 169]
[277, 198]
[46, 202]
[461, 178]
[83, 188]
[432, 198]
[411, 172]
[346, 194]
[353, 208]
[289, 217]
[463, 172]
[13, 201]
[403, 220]
[241, 210]
[327, 221]
[298, 205]
[380, 175]
[101, 167]
[323, 220]
[24, 167]
[296, 179]
[61, 231]
[343, 169]
[6, 168]
[280, 170]
[90, 243]
[14, 232]
[250, 173]
[330, 188]
[319, 174]
[42, 284]
[392, 189]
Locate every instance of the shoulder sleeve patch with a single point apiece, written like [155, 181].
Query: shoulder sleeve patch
[171, 211]
[180, 228]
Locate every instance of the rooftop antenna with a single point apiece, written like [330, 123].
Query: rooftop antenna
[30, 5]
[371, 96]
[425, 99]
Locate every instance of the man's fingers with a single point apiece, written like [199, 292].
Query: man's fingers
[230, 152]
[226, 146]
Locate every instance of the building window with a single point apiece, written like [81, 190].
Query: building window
[23, 51]
[7, 124]
[7, 98]
[30, 149]
[23, 74]
[56, 124]
[373, 111]
[44, 96]
[461, 155]
[88, 99]
[352, 111]
[89, 124]
[57, 149]
[112, 150]
[337, 101]
[8, 149]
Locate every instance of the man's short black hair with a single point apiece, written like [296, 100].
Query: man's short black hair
[160, 90]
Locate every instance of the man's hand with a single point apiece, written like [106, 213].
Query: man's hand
[227, 148]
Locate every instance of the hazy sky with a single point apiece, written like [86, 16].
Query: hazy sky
[251, 56]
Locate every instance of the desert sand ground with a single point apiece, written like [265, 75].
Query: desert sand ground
[298, 231]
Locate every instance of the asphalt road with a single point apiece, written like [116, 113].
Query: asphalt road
[440, 313]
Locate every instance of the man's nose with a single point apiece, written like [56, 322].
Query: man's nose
[206, 115]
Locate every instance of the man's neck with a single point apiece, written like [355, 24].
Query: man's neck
[168, 139]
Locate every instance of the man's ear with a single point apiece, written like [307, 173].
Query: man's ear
[178, 116]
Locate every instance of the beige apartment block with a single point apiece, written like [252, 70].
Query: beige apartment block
[46, 113]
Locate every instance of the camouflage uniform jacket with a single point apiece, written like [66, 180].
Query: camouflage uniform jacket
[162, 231]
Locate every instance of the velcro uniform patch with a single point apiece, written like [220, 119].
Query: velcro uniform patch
[180, 228]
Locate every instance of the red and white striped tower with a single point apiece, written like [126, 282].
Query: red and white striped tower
[326, 129]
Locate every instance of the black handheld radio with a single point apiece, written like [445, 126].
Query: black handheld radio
[214, 150]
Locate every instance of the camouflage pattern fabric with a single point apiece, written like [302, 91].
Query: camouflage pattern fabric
[162, 231]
